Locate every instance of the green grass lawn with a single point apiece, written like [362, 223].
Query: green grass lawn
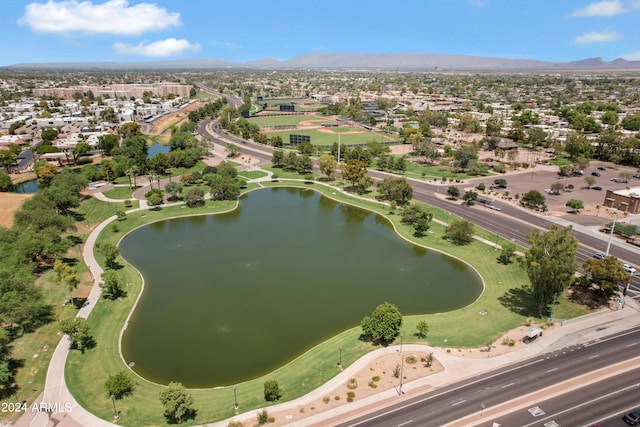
[268, 121]
[252, 174]
[85, 373]
[123, 193]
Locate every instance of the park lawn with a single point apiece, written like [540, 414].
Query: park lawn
[124, 193]
[85, 373]
[252, 174]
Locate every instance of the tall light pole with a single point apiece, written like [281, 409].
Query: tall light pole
[340, 362]
[115, 411]
[613, 226]
[235, 398]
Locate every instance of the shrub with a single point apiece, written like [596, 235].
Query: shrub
[352, 384]
[235, 424]
[411, 359]
[263, 417]
[376, 378]
[337, 398]
[326, 399]
[508, 341]
[481, 186]
[272, 419]
[373, 384]
[350, 396]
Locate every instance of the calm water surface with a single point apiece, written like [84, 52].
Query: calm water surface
[231, 297]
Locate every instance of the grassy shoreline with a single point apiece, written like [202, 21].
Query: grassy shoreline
[85, 373]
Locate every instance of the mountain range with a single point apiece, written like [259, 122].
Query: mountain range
[350, 61]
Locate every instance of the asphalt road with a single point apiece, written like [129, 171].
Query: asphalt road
[511, 222]
[603, 402]
[467, 398]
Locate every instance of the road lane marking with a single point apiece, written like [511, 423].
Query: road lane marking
[593, 357]
[459, 402]
[405, 423]
[552, 369]
[632, 344]
[508, 385]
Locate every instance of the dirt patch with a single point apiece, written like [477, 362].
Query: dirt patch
[9, 204]
[158, 127]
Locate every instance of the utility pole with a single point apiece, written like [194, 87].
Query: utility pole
[613, 226]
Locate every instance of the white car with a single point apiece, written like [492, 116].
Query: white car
[548, 191]
[629, 269]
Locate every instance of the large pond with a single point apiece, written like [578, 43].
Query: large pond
[231, 297]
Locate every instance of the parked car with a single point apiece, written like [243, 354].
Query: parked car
[614, 179]
[629, 269]
[548, 191]
[597, 188]
[632, 418]
[637, 176]
[594, 173]
[494, 207]
[600, 168]
[599, 255]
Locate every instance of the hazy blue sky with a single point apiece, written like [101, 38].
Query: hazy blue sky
[142, 30]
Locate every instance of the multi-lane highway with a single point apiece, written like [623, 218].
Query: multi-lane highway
[464, 402]
[512, 223]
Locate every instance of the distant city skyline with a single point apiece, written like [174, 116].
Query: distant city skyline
[42, 31]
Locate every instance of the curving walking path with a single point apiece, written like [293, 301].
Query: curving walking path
[71, 414]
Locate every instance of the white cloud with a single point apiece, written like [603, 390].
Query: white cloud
[603, 8]
[635, 4]
[598, 37]
[632, 56]
[160, 48]
[110, 17]
[227, 45]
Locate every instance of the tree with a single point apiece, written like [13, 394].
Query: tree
[500, 182]
[493, 126]
[111, 284]
[422, 224]
[631, 122]
[110, 252]
[422, 328]
[224, 188]
[464, 155]
[577, 145]
[277, 159]
[508, 250]
[128, 130]
[6, 184]
[154, 197]
[80, 149]
[533, 198]
[174, 189]
[469, 197]
[79, 333]
[7, 159]
[453, 192]
[327, 164]
[195, 197]
[119, 384]
[66, 275]
[384, 323]
[609, 118]
[177, 402]
[550, 262]
[232, 150]
[48, 135]
[353, 170]
[263, 417]
[45, 172]
[272, 391]
[575, 205]
[460, 232]
[557, 187]
[590, 180]
[607, 273]
[396, 190]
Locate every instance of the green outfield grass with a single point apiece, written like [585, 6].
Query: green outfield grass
[286, 120]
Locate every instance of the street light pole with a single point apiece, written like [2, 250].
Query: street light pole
[235, 398]
[115, 411]
[613, 226]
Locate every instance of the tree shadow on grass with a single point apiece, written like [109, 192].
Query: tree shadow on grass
[521, 301]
